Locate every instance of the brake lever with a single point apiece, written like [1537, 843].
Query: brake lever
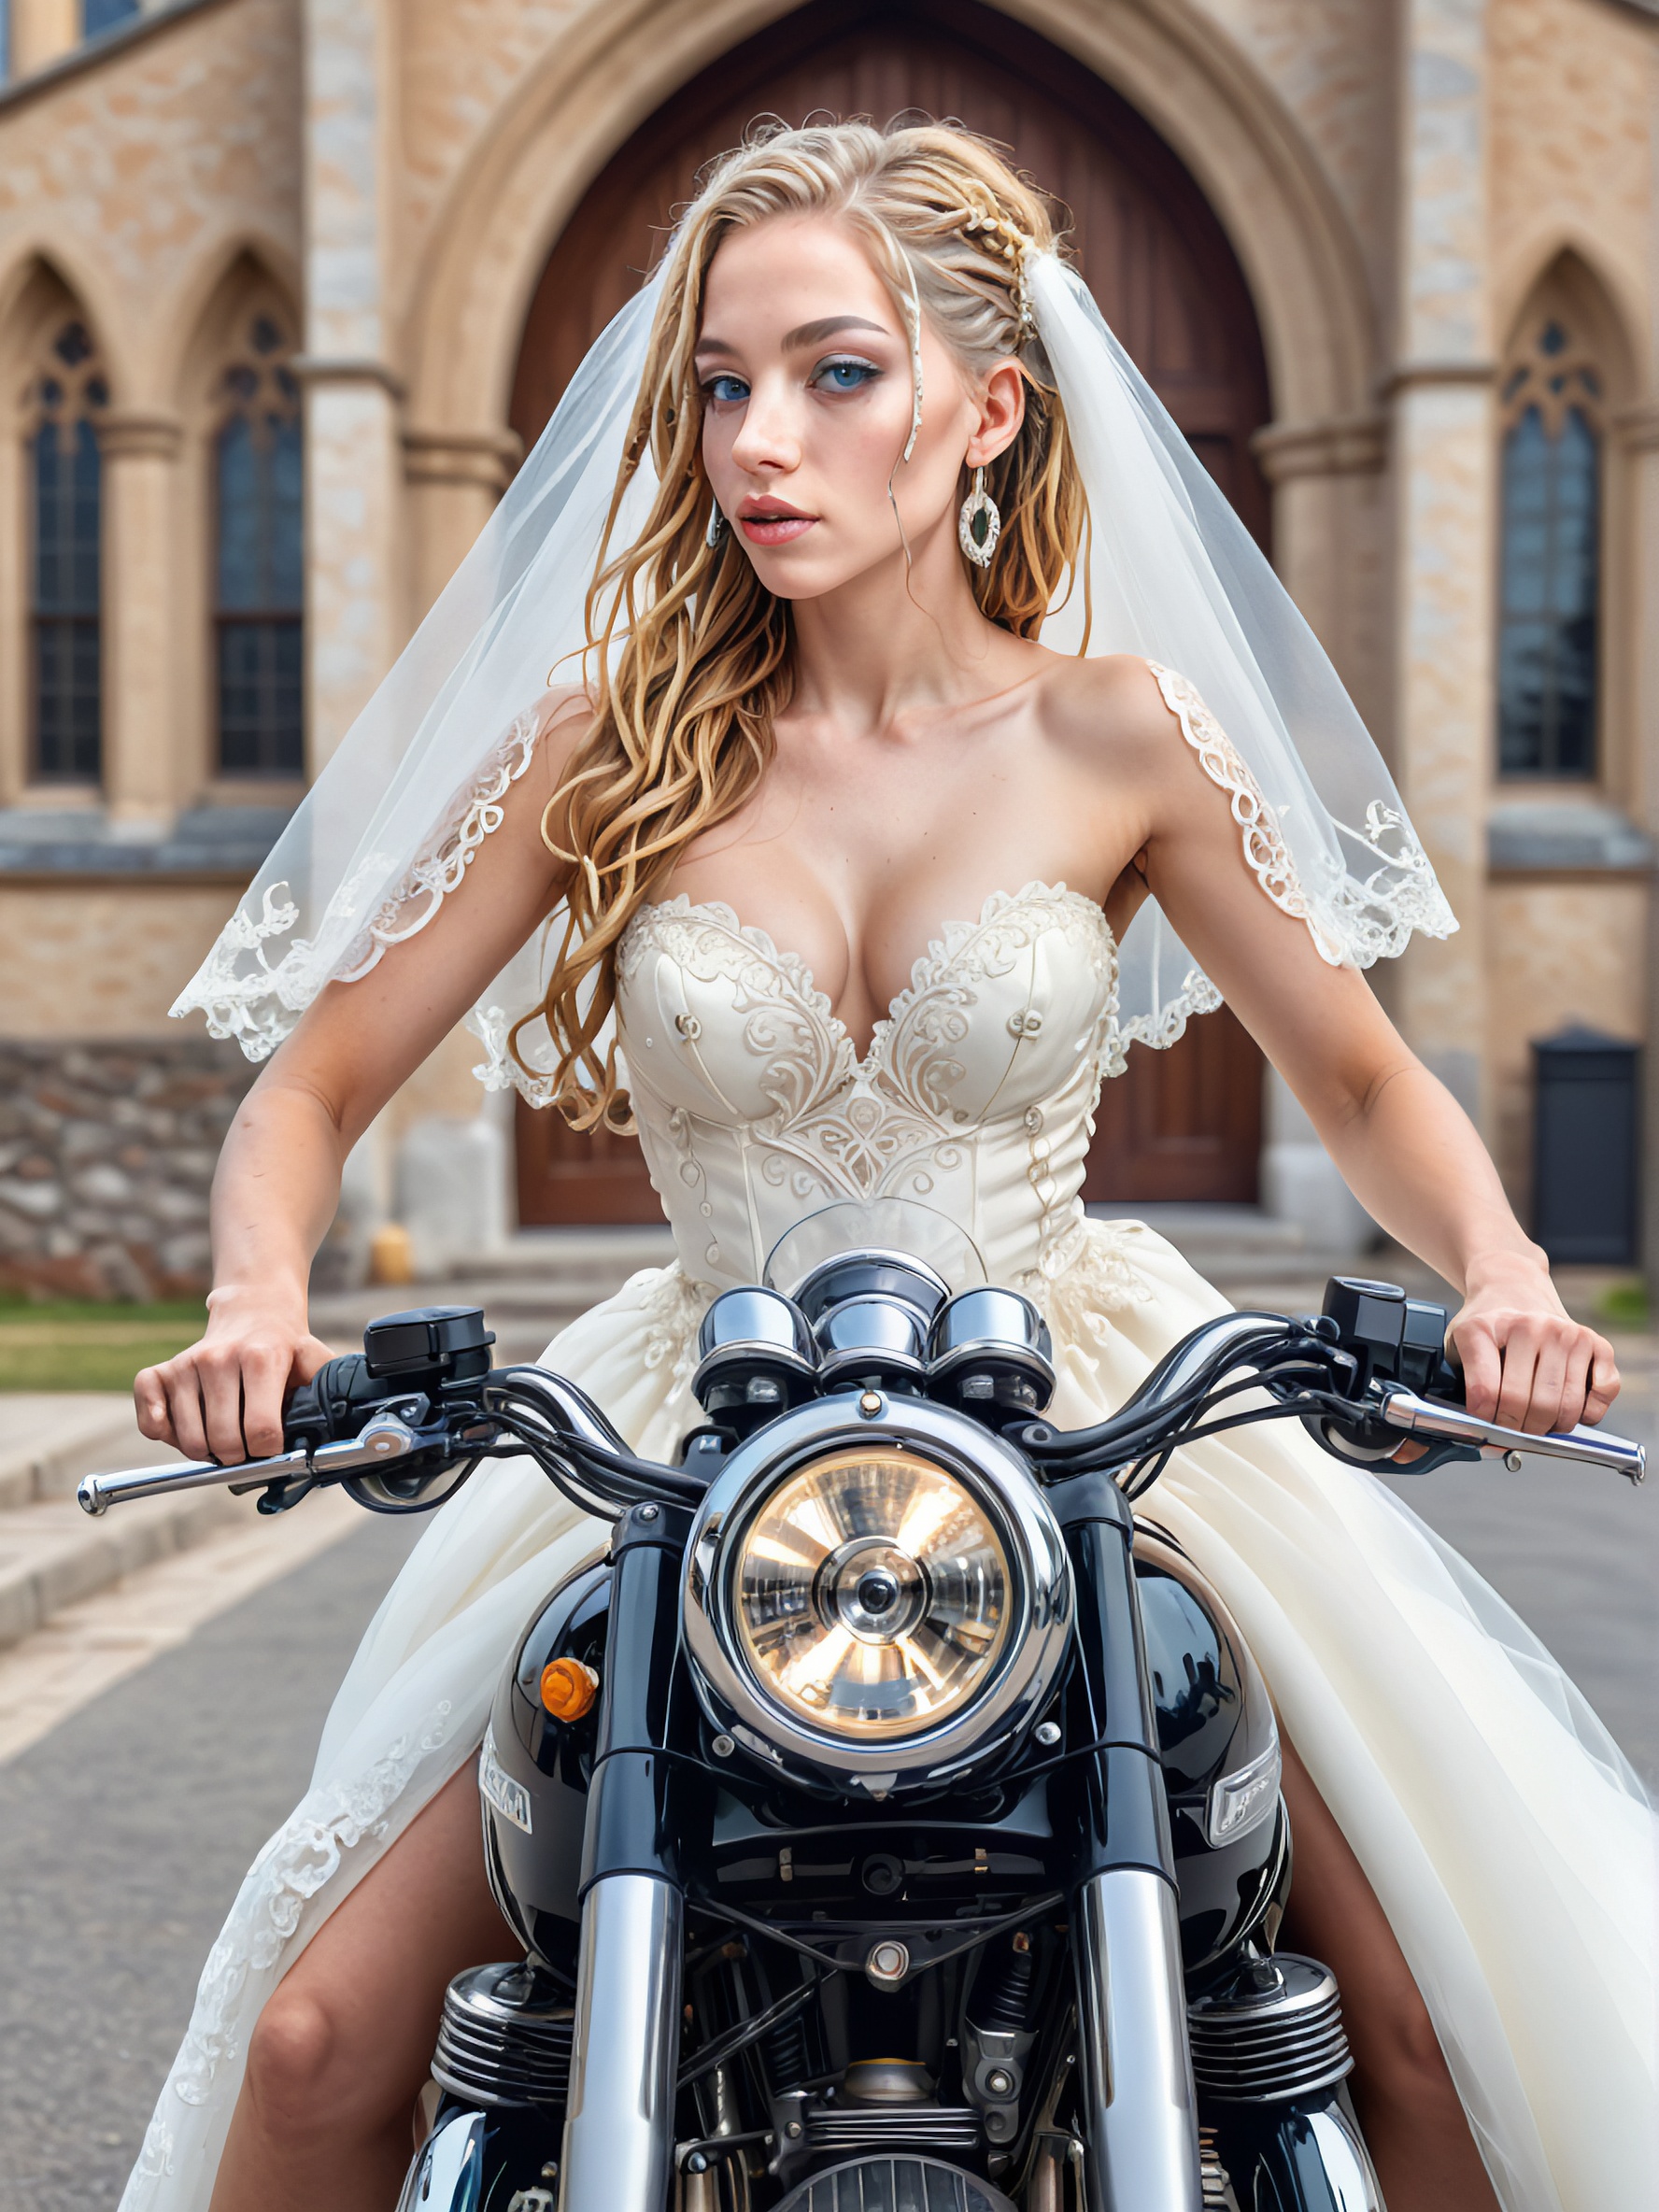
[381, 1442]
[1404, 1409]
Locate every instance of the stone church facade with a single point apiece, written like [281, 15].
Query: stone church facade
[287, 285]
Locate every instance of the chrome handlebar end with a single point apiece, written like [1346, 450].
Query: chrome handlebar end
[1428, 1417]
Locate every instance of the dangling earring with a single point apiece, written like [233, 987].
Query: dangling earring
[979, 524]
[716, 528]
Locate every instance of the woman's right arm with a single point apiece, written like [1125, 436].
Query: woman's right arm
[277, 1182]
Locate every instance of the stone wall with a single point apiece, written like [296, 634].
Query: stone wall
[107, 1154]
[1559, 954]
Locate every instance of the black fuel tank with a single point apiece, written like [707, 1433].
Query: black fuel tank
[533, 1775]
[1219, 1742]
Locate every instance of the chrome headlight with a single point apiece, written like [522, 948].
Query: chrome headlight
[872, 1593]
[881, 1597]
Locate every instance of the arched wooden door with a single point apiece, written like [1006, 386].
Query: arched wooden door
[1180, 1125]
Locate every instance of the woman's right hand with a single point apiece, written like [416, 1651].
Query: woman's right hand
[224, 1397]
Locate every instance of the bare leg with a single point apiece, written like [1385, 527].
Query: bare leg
[1414, 2125]
[323, 2124]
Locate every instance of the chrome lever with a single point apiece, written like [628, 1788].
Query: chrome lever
[384, 1438]
[1428, 1417]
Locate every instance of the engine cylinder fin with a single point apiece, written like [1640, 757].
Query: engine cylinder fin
[1256, 2043]
[918, 2127]
[504, 2039]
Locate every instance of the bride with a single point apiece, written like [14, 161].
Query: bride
[800, 547]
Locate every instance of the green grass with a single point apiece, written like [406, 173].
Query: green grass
[79, 1344]
[1626, 1305]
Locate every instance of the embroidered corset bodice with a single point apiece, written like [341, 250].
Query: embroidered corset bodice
[975, 1097]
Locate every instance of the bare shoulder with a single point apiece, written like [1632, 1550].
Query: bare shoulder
[563, 717]
[1108, 714]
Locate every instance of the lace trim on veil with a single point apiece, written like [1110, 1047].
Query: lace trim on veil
[1360, 919]
[1357, 920]
[258, 1006]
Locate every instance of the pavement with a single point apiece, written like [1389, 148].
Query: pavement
[124, 1834]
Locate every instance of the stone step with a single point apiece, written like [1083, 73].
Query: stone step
[1221, 1231]
[529, 1288]
[536, 1255]
[1242, 1249]
[49, 1438]
[51, 1554]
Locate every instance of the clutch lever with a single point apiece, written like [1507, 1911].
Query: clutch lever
[1419, 1416]
[382, 1442]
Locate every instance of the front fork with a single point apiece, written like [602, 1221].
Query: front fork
[1140, 2118]
[618, 2129]
[619, 2121]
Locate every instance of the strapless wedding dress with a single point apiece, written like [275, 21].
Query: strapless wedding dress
[1509, 1841]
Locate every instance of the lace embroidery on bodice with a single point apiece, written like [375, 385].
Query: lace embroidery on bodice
[974, 1096]
[976, 1093]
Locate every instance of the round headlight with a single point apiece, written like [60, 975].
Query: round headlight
[871, 1594]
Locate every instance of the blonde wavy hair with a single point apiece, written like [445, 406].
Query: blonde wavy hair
[690, 656]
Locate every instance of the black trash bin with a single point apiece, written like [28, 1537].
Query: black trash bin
[1586, 1123]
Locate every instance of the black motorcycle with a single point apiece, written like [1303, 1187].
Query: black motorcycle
[891, 1821]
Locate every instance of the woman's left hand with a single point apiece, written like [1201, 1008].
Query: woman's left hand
[1526, 1362]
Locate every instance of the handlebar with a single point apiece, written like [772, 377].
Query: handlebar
[1422, 1416]
[422, 1403]
[384, 1438]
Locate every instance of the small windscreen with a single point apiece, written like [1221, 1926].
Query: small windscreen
[900, 1227]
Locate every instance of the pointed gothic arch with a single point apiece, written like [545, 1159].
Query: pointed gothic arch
[1184, 1125]
[55, 392]
[1567, 375]
[240, 548]
[617, 63]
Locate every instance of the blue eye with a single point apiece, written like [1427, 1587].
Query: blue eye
[727, 387]
[846, 376]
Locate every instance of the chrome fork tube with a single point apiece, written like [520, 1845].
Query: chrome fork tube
[1142, 2124]
[618, 2129]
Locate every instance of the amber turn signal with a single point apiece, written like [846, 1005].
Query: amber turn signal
[568, 1689]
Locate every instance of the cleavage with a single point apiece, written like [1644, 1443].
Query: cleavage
[807, 929]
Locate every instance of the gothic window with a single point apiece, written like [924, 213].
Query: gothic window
[257, 477]
[1551, 556]
[64, 491]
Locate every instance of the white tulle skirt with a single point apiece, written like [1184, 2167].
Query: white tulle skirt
[1513, 1850]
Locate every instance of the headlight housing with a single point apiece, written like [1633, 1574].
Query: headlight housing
[884, 1599]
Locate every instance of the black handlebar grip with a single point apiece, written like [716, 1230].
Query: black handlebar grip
[333, 1405]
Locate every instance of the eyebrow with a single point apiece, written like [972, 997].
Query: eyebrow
[808, 333]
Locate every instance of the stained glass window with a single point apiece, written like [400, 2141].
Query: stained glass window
[67, 501]
[1550, 561]
[259, 470]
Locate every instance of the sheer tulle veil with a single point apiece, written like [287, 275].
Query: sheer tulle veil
[395, 816]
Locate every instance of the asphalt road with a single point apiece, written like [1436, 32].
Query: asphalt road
[124, 1837]
[124, 1834]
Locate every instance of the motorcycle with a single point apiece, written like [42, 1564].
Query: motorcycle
[891, 1820]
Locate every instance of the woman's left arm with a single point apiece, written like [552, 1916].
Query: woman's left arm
[1404, 1146]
